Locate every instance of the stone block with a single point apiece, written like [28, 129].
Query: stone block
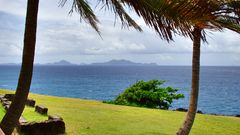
[54, 117]
[41, 109]
[49, 127]
[30, 102]
[10, 97]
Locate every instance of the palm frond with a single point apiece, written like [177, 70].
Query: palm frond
[118, 9]
[86, 13]
[167, 17]
[148, 11]
[228, 15]
[235, 6]
[229, 24]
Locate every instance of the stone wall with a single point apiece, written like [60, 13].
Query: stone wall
[53, 126]
[49, 127]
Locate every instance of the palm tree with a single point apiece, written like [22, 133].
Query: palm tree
[226, 15]
[12, 116]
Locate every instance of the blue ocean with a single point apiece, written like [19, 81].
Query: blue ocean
[219, 86]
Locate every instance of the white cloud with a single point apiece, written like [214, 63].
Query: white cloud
[224, 42]
[16, 7]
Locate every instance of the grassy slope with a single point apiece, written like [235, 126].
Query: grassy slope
[93, 117]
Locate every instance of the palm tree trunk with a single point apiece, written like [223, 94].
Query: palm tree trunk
[187, 125]
[10, 120]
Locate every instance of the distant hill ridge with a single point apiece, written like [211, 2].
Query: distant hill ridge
[113, 62]
[61, 62]
[123, 63]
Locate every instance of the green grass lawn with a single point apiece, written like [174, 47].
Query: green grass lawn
[88, 117]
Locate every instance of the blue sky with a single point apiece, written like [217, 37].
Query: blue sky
[61, 36]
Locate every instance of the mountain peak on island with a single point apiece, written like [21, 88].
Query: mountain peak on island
[123, 62]
[61, 63]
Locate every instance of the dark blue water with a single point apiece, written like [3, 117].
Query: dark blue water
[219, 86]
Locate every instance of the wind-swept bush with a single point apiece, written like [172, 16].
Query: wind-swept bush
[147, 94]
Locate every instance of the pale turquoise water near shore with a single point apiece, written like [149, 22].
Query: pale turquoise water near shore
[219, 91]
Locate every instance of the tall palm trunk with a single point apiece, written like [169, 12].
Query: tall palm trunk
[187, 125]
[12, 116]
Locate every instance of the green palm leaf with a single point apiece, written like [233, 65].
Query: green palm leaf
[85, 11]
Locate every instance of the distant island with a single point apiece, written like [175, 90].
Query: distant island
[61, 63]
[123, 63]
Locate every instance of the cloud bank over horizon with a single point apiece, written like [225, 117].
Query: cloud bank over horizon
[61, 36]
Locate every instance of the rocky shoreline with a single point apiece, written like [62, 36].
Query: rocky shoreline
[200, 112]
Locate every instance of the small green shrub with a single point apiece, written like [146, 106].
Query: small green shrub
[147, 94]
